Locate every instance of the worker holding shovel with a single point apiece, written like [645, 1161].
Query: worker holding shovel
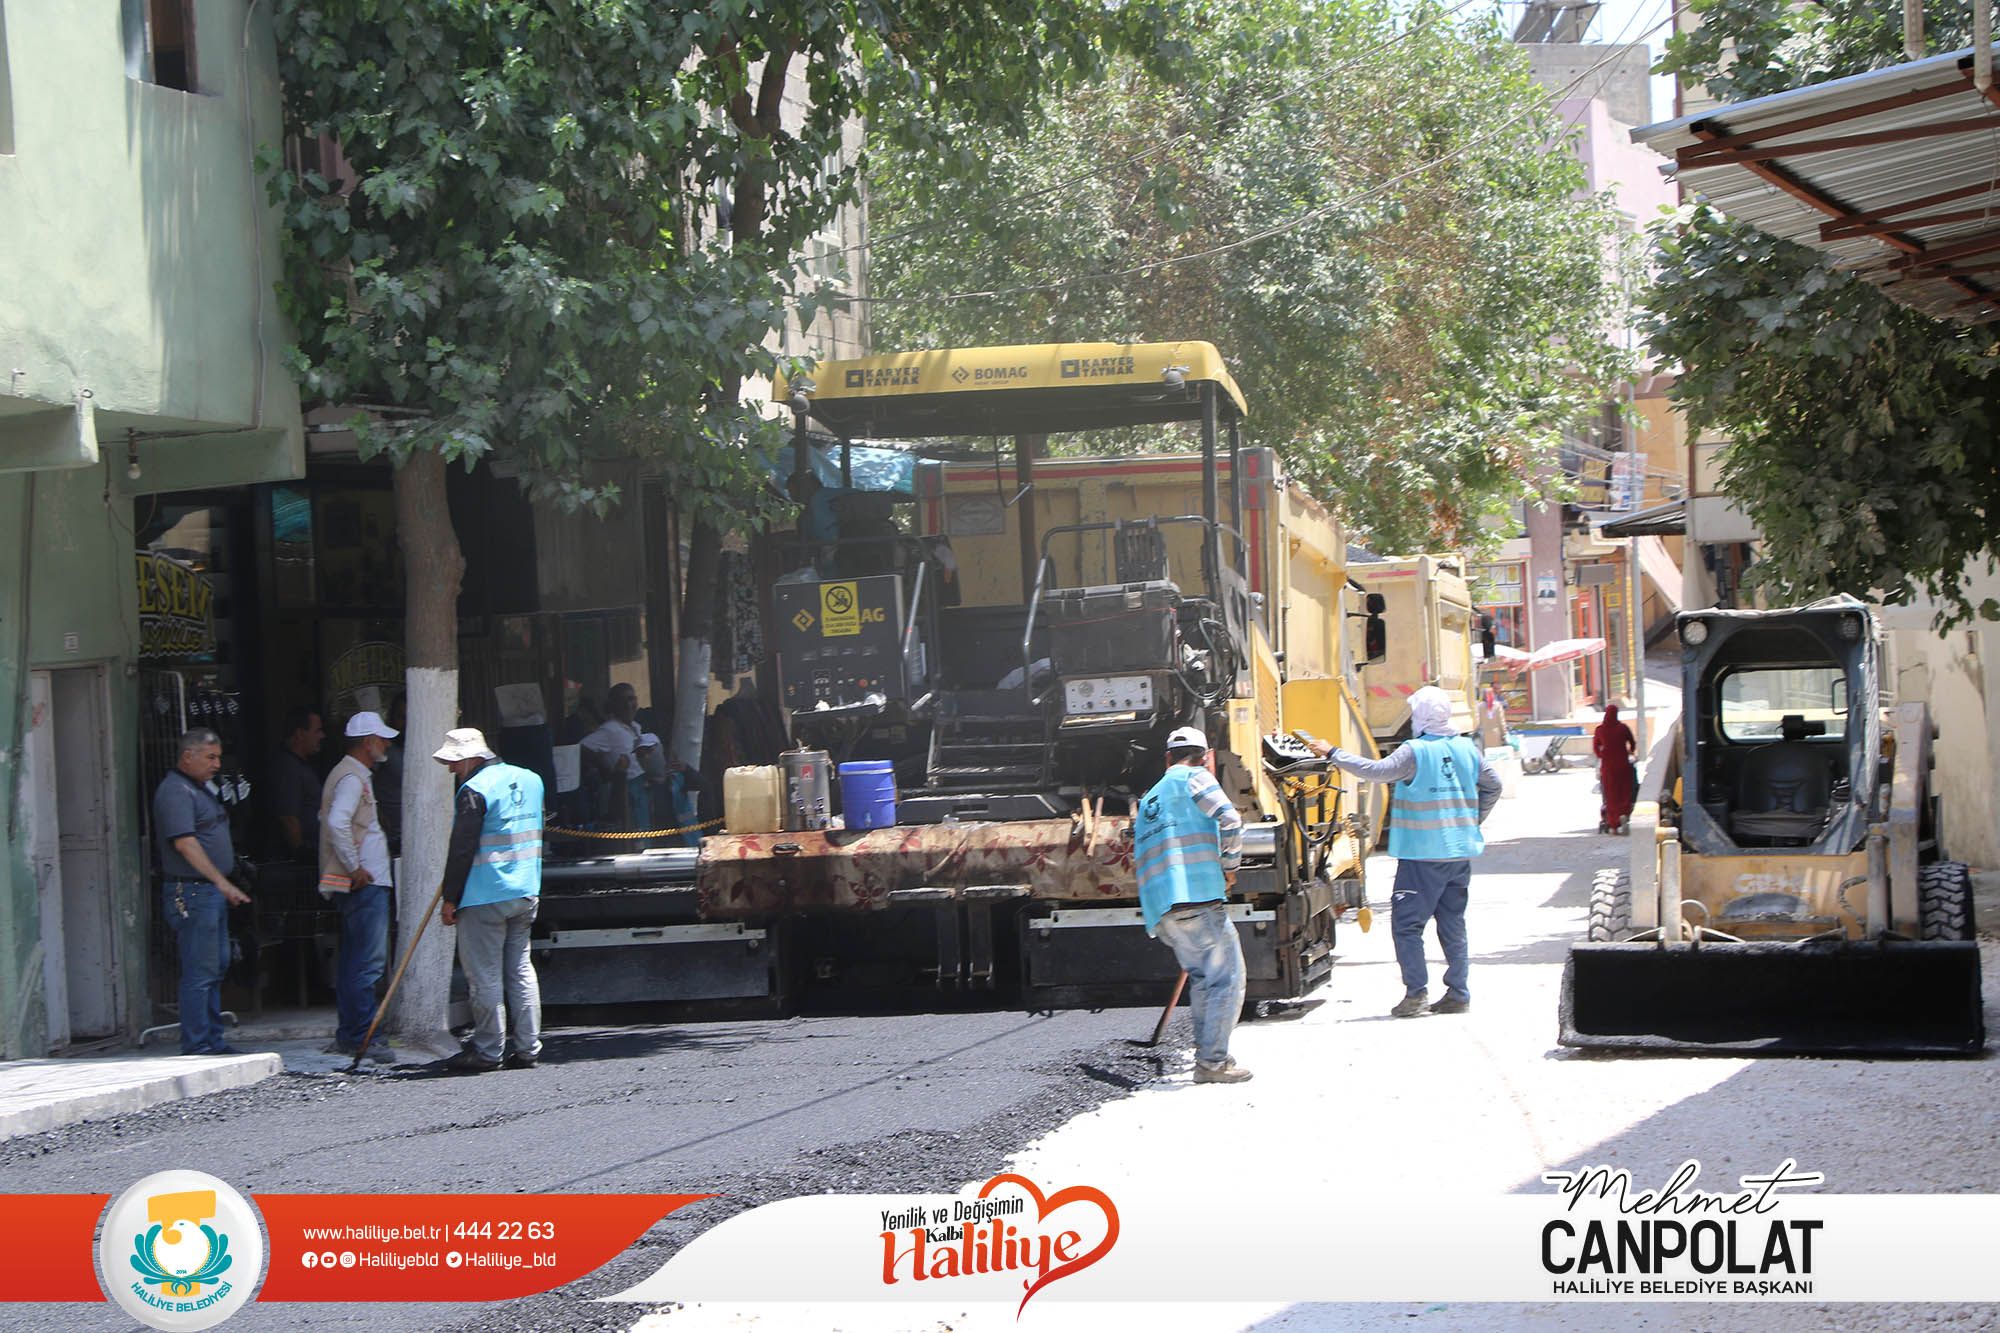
[1187, 842]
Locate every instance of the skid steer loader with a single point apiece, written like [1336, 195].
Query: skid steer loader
[1784, 895]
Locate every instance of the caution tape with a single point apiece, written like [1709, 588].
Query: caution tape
[626, 837]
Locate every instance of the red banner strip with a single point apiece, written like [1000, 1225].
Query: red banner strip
[441, 1247]
[49, 1241]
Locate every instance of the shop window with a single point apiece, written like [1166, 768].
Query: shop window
[159, 42]
[292, 567]
[359, 562]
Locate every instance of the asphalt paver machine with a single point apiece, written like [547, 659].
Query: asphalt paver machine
[1786, 894]
[1094, 604]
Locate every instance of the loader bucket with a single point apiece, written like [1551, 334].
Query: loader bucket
[1776, 998]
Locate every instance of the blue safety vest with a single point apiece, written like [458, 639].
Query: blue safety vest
[1176, 849]
[508, 863]
[1436, 817]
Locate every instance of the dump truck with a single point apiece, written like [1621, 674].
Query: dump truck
[1785, 893]
[1426, 597]
[1015, 658]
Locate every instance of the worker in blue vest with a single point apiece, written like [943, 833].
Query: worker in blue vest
[1187, 841]
[1444, 791]
[492, 885]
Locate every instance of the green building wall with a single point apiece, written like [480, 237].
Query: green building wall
[138, 322]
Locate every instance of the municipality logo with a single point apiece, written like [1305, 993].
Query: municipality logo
[180, 1250]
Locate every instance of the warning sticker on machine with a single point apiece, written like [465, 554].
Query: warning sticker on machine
[839, 609]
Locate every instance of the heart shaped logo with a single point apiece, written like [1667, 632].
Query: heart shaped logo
[1046, 1204]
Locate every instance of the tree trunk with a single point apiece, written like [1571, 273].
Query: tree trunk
[433, 569]
[698, 605]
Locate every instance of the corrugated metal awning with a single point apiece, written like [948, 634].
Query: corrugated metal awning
[1667, 520]
[1894, 173]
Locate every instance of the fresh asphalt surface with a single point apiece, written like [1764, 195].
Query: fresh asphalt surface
[753, 1111]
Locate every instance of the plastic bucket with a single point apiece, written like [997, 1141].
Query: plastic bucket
[868, 793]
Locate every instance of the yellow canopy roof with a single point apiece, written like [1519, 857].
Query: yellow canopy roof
[1041, 389]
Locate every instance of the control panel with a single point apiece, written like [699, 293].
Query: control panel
[840, 641]
[1095, 695]
[1281, 750]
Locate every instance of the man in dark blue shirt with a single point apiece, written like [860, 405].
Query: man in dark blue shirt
[196, 857]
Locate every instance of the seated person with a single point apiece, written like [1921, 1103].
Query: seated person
[611, 753]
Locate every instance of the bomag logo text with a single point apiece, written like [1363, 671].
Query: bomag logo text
[887, 377]
[1096, 367]
[990, 374]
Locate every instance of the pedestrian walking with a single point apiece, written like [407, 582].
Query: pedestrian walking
[492, 885]
[1187, 842]
[196, 856]
[354, 873]
[1444, 792]
[1617, 779]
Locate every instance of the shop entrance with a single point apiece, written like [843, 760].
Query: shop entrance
[69, 837]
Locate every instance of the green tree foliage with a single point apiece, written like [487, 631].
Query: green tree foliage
[570, 226]
[510, 258]
[1749, 48]
[1409, 284]
[1862, 433]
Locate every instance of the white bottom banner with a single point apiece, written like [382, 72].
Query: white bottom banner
[1599, 1236]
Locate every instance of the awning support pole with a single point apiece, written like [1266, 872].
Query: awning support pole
[1211, 564]
[1024, 507]
[1982, 45]
[1236, 496]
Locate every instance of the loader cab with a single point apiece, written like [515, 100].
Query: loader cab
[1779, 742]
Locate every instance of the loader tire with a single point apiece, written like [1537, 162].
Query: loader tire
[1610, 905]
[1944, 901]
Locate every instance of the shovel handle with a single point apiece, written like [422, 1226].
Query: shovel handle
[397, 979]
[1160, 1028]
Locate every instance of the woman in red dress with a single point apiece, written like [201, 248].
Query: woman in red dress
[1615, 748]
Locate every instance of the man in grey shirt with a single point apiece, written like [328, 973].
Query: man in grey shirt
[196, 857]
[1444, 793]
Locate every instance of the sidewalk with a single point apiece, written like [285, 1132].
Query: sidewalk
[38, 1095]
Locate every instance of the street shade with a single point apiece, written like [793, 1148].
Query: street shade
[1561, 651]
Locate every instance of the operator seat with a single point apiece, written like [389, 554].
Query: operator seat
[1784, 788]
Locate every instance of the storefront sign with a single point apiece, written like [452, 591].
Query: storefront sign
[365, 676]
[176, 609]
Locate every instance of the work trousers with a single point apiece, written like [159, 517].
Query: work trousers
[364, 954]
[1204, 940]
[1427, 890]
[500, 978]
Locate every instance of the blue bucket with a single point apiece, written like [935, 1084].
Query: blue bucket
[868, 793]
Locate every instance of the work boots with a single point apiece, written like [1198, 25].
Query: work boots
[1225, 1071]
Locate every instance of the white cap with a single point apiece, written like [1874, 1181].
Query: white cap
[1186, 738]
[646, 741]
[463, 743]
[370, 724]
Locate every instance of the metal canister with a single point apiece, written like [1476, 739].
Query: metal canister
[808, 796]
